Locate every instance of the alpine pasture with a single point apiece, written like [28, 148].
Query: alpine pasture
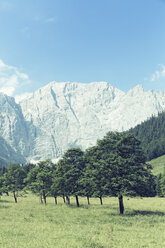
[34, 225]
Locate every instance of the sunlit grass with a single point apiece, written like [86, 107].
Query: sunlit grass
[30, 224]
[158, 165]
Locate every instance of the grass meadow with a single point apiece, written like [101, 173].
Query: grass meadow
[29, 224]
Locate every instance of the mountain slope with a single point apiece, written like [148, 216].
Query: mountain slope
[68, 115]
[152, 135]
[13, 131]
[63, 115]
[75, 114]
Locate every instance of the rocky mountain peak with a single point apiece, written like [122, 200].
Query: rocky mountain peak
[62, 115]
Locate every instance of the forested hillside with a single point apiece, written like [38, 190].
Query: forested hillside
[151, 133]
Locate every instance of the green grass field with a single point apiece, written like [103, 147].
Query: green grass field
[158, 165]
[29, 224]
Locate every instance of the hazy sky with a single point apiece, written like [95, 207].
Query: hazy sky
[118, 41]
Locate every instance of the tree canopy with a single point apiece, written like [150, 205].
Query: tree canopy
[39, 179]
[14, 179]
[120, 163]
[115, 166]
[68, 174]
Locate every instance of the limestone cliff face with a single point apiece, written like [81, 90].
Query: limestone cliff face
[64, 115]
[13, 131]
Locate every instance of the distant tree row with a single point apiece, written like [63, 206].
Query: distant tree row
[114, 167]
[151, 133]
[160, 184]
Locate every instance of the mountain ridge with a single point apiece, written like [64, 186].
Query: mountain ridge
[62, 115]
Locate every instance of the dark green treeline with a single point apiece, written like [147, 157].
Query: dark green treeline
[115, 166]
[151, 133]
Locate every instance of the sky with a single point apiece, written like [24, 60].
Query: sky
[121, 42]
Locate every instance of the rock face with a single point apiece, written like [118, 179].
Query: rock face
[13, 131]
[64, 115]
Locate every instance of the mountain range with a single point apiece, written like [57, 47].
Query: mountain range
[63, 115]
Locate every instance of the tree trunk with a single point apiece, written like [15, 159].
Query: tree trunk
[7, 193]
[88, 200]
[44, 196]
[41, 199]
[77, 201]
[68, 200]
[55, 200]
[63, 198]
[101, 201]
[121, 204]
[15, 197]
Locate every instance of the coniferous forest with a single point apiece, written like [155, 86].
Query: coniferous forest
[151, 134]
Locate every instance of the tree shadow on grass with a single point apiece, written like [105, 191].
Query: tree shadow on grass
[132, 213]
[144, 213]
[4, 201]
[72, 205]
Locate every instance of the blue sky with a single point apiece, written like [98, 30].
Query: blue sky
[118, 41]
